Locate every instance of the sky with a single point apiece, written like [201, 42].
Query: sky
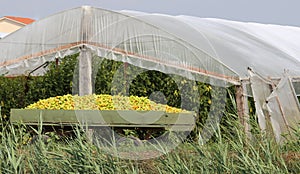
[282, 12]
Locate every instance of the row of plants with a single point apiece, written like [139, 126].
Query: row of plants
[102, 102]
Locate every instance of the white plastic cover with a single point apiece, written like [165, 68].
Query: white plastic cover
[276, 105]
[189, 46]
[261, 89]
[283, 108]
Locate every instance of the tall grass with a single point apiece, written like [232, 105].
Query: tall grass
[230, 152]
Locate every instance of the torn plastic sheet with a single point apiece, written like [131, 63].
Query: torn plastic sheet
[261, 90]
[283, 109]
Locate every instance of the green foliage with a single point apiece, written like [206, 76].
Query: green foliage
[77, 155]
[119, 78]
[12, 94]
[18, 92]
[57, 81]
[105, 71]
[113, 77]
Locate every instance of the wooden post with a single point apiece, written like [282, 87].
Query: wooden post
[242, 107]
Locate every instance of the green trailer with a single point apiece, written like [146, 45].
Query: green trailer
[63, 121]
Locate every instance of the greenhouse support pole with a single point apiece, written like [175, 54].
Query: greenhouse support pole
[85, 56]
[242, 107]
[85, 71]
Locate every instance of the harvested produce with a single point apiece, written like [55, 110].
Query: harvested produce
[102, 102]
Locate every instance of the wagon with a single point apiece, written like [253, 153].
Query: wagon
[63, 121]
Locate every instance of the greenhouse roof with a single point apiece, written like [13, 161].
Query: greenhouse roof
[189, 45]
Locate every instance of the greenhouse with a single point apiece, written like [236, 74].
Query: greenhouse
[261, 60]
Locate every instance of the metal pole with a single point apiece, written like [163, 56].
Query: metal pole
[85, 72]
[85, 56]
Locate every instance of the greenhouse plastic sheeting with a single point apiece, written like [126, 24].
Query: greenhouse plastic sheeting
[283, 107]
[261, 91]
[197, 48]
